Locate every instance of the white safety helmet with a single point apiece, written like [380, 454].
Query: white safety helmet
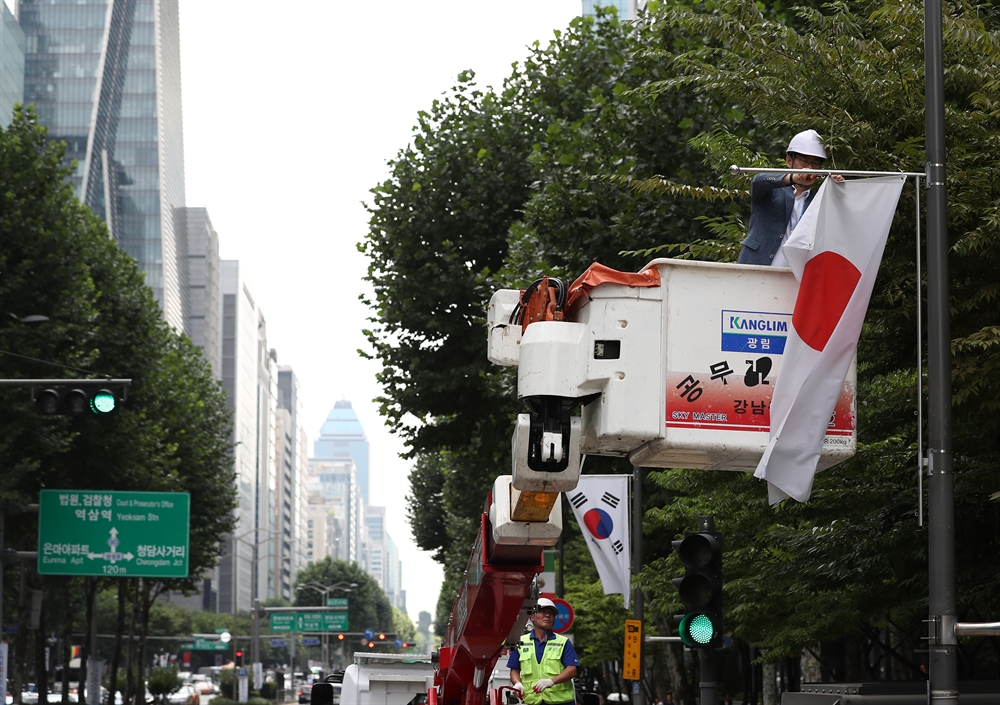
[807, 143]
[545, 603]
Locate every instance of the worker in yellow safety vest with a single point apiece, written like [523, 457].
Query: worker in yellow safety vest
[544, 664]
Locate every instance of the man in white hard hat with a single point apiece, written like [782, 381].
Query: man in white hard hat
[779, 200]
[544, 664]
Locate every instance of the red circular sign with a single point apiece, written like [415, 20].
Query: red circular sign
[564, 620]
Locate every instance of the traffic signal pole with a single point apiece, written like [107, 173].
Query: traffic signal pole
[943, 654]
[707, 657]
[637, 605]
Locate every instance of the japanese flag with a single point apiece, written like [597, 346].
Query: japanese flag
[600, 505]
[834, 252]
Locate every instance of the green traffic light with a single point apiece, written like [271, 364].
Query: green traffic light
[697, 629]
[103, 402]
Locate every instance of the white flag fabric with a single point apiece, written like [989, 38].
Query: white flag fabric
[600, 504]
[834, 252]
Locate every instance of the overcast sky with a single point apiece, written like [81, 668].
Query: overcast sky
[291, 111]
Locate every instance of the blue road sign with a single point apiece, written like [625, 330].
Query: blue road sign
[310, 641]
[278, 642]
[369, 633]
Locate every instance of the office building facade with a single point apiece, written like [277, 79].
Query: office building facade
[290, 466]
[12, 48]
[202, 322]
[249, 379]
[105, 77]
[627, 9]
[342, 437]
[336, 511]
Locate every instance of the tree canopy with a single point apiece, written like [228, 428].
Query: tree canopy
[620, 138]
[172, 432]
[368, 607]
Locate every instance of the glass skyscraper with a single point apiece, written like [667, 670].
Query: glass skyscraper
[627, 9]
[11, 64]
[342, 437]
[105, 77]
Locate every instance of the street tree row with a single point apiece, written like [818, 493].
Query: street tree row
[612, 143]
[171, 435]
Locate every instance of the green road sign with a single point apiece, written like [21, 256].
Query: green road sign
[308, 621]
[340, 602]
[129, 534]
[204, 645]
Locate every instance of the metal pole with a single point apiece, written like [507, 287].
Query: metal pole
[236, 691]
[707, 686]
[920, 371]
[2, 565]
[941, 480]
[256, 635]
[94, 671]
[706, 657]
[736, 170]
[638, 611]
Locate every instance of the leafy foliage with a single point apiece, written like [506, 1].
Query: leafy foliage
[624, 139]
[172, 434]
[368, 607]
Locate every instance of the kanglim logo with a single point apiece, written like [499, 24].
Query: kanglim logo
[757, 324]
[755, 331]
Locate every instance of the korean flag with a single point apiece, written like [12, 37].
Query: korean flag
[600, 504]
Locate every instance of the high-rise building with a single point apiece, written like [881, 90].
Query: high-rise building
[289, 466]
[105, 77]
[202, 322]
[627, 9]
[382, 558]
[239, 569]
[12, 47]
[336, 510]
[342, 437]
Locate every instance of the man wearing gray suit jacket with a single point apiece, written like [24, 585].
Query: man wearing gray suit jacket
[779, 200]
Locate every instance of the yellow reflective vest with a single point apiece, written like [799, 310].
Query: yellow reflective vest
[551, 666]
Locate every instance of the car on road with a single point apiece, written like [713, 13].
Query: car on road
[305, 693]
[185, 695]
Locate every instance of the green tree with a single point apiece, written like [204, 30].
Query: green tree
[402, 625]
[172, 434]
[854, 552]
[368, 607]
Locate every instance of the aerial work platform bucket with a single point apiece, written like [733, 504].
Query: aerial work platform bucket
[678, 374]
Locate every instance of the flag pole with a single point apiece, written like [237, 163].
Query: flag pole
[637, 606]
[736, 170]
[943, 654]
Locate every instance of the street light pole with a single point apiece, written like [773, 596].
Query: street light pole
[325, 590]
[943, 665]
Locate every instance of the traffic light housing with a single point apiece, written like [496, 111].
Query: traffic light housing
[77, 401]
[239, 659]
[700, 589]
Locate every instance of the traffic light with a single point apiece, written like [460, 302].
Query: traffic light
[381, 637]
[340, 637]
[239, 659]
[76, 401]
[700, 589]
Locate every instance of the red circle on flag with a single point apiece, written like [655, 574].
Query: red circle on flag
[828, 282]
[599, 523]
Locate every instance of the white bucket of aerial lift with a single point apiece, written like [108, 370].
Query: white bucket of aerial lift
[504, 336]
[521, 533]
[684, 370]
[526, 479]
